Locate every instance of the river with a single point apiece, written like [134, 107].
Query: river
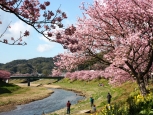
[54, 102]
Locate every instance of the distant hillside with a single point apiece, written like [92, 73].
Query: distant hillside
[1, 64]
[40, 65]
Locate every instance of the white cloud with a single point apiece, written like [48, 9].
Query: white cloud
[44, 47]
[14, 30]
[18, 27]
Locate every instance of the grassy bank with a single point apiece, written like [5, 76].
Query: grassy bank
[92, 88]
[88, 89]
[6, 88]
[12, 95]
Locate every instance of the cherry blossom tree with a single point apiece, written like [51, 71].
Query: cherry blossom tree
[35, 14]
[122, 30]
[4, 74]
[84, 75]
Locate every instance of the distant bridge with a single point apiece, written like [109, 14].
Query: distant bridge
[35, 77]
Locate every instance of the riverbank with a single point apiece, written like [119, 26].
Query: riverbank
[36, 90]
[24, 99]
[87, 89]
[99, 93]
[24, 95]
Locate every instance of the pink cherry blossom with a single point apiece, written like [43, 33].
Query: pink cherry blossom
[47, 3]
[42, 7]
[26, 33]
[4, 74]
[12, 38]
[121, 30]
[49, 34]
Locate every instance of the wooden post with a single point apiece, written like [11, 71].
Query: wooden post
[28, 80]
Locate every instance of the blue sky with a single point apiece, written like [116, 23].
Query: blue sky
[37, 46]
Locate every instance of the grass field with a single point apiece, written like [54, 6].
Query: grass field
[12, 95]
[87, 88]
[92, 88]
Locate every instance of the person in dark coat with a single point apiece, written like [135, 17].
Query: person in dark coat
[91, 101]
[68, 107]
[109, 98]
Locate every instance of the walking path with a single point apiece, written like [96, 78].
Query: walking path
[36, 85]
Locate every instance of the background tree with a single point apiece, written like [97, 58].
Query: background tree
[122, 30]
[29, 66]
[4, 75]
[46, 72]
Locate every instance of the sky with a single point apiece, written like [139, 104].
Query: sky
[37, 45]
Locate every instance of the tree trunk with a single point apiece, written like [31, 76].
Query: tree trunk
[142, 88]
[141, 83]
[146, 79]
[1, 79]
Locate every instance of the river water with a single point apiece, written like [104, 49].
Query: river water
[54, 102]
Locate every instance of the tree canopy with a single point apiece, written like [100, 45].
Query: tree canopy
[4, 74]
[122, 30]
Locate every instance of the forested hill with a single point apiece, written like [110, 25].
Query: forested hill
[40, 65]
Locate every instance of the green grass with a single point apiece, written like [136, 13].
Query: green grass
[99, 93]
[14, 95]
[91, 88]
[7, 88]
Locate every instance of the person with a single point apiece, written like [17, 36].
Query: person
[109, 98]
[91, 101]
[68, 107]
[100, 84]
[94, 108]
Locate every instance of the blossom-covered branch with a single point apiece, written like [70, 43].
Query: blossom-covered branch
[29, 11]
